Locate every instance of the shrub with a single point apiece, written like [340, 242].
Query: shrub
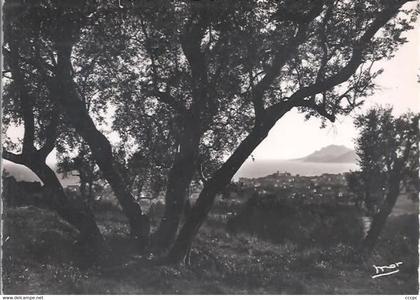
[320, 224]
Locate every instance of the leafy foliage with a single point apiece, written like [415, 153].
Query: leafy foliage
[388, 150]
[212, 77]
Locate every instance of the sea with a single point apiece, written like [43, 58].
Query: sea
[261, 168]
[250, 169]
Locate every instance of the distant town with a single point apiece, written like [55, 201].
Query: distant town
[323, 189]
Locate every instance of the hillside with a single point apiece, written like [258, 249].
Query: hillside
[332, 154]
[22, 173]
[41, 257]
[19, 172]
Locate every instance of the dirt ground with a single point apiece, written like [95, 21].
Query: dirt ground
[40, 257]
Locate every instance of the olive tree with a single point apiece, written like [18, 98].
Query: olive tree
[388, 150]
[228, 71]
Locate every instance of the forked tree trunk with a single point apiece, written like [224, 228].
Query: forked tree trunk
[102, 153]
[65, 93]
[380, 218]
[77, 214]
[179, 180]
[220, 179]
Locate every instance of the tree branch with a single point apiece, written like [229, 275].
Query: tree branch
[297, 16]
[281, 57]
[51, 136]
[15, 158]
[345, 73]
[164, 97]
[319, 108]
[357, 56]
[26, 101]
[191, 40]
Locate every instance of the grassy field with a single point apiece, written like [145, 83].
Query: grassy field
[41, 257]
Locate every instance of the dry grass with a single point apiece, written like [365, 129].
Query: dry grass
[40, 257]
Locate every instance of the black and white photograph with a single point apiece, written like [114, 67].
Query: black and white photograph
[208, 147]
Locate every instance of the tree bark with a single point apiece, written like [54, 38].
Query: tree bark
[205, 201]
[91, 196]
[82, 187]
[380, 218]
[179, 180]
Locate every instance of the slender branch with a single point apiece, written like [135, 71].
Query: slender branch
[147, 42]
[319, 108]
[203, 178]
[324, 46]
[164, 97]
[346, 71]
[357, 56]
[281, 57]
[191, 40]
[222, 65]
[26, 100]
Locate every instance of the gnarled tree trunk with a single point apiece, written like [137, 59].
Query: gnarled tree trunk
[78, 216]
[205, 201]
[75, 213]
[64, 91]
[380, 218]
[179, 180]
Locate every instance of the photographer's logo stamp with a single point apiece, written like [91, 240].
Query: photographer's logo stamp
[386, 270]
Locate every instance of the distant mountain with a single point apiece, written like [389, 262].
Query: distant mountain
[22, 173]
[348, 157]
[332, 154]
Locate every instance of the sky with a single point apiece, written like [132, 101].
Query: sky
[292, 137]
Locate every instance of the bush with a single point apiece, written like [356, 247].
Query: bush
[320, 224]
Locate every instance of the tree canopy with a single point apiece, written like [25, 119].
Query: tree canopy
[194, 86]
[388, 150]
